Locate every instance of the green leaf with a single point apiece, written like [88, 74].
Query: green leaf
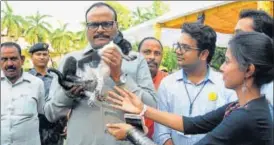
[218, 58]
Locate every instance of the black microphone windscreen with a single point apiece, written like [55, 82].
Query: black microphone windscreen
[70, 66]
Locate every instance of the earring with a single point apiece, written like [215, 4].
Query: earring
[244, 88]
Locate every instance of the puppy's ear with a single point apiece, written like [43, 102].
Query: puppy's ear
[118, 38]
[124, 45]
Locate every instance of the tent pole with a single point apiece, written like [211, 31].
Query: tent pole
[157, 31]
[265, 6]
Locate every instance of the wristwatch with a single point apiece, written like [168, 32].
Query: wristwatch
[122, 80]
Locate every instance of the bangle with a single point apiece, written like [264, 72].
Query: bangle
[144, 110]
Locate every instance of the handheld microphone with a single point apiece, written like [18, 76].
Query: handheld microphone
[69, 69]
[70, 66]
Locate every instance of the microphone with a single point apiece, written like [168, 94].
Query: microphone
[69, 69]
[70, 66]
[68, 78]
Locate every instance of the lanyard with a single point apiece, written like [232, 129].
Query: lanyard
[192, 102]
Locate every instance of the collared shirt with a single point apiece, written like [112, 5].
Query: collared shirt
[86, 125]
[267, 90]
[47, 79]
[173, 98]
[20, 104]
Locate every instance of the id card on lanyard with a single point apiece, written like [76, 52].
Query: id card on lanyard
[191, 102]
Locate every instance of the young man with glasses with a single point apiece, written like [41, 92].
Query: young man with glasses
[86, 125]
[196, 88]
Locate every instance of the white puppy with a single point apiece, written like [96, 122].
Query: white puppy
[102, 72]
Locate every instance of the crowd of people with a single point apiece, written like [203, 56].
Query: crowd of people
[194, 105]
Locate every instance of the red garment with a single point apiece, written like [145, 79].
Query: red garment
[156, 81]
[158, 78]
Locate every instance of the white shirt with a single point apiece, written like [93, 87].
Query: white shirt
[267, 90]
[20, 104]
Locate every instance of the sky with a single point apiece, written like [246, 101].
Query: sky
[73, 12]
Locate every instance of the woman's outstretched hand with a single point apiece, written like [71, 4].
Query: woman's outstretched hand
[125, 100]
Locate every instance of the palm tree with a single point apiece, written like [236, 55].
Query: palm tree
[139, 16]
[124, 15]
[62, 40]
[25, 52]
[11, 23]
[38, 30]
[80, 40]
[143, 14]
[158, 8]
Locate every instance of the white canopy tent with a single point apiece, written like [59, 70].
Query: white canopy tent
[222, 16]
[168, 35]
[171, 35]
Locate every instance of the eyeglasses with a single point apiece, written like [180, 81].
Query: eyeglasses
[182, 47]
[107, 25]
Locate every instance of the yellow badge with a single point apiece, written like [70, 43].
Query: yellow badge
[212, 96]
[45, 46]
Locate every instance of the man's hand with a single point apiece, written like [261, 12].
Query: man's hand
[119, 130]
[113, 59]
[64, 134]
[75, 91]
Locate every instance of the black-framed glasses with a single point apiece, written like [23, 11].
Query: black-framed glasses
[182, 47]
[107, 25]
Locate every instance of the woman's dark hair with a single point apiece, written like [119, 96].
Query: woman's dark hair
[204, 35]
[12, 44]
[257, 49]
